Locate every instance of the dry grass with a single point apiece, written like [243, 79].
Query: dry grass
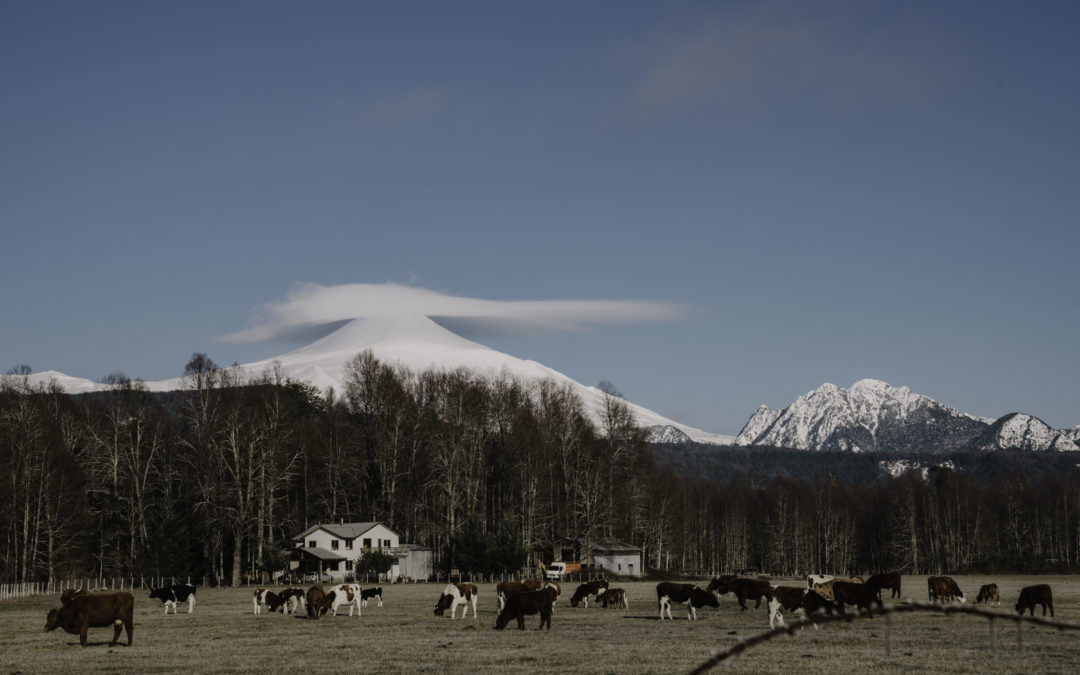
[224, 636]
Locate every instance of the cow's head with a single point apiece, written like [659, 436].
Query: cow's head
[444, 604]
[52, 621]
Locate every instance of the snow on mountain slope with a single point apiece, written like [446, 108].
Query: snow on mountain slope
[1024, 432]
[417, 343]
[870, 416]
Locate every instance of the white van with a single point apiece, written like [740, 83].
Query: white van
[554, 571]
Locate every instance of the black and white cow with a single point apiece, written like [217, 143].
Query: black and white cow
[369, 593]
[668, 592]
[170, 595]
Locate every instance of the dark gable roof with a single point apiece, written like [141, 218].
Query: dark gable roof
[345, 530]
[320, 553]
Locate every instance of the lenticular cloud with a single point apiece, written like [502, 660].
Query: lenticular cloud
[312, 306]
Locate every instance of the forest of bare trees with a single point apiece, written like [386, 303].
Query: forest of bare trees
[212, 482]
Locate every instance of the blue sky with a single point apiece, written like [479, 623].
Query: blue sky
[837, 190]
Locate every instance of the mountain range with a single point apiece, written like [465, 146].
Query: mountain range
[871, 416]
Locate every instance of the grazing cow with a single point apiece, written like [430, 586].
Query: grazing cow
[863, 596]
[85, 611]
[315, 596]
[262, 596]
[583, 591]
[890, 580]
[668, 592]
[70, 594]
[521, 604]
[744, 589]
[817, 605]
[293, 599]
[454, 595]
[505, 589]
[988, 593]
[170, 595]
[342, 594]
[614, 598]
[369, 593]
[784, 598]
[1035, 595]
[943, 589]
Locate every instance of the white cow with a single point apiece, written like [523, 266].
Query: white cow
[343, 594]
[454, 595]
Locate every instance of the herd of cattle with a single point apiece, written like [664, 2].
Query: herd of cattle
[822, 594]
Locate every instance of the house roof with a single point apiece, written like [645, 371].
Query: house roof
[320, 553]
[345, 530]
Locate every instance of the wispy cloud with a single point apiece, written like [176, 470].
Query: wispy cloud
[313, 305]
[831, 56]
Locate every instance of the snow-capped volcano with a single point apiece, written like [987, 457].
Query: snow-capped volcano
[874, 416]
[417, 343]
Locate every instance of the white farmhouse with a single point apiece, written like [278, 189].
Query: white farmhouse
[331, 549]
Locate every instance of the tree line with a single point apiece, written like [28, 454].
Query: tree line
[214, 480]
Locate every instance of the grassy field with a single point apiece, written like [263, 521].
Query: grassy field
[404, 636]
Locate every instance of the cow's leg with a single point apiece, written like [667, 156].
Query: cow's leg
[521, 620]
[117, 627]
[691, 611]
[545, 617]
[82, 632]
[128, 625]
[473, 608]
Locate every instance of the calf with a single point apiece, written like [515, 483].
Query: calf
[369, 593]
[342, 594]
[170, 595]
[272, 600]
[454, 595]
[744, 589]
[315, 596]
[583, 591]
[293, 599]
[82, 612]
[615, 597]
[890, 580]
[668, 592]
[521, 604]
[1035, 595]
[988, 593]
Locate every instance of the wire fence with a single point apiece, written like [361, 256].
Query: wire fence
[738, 649]
[58, 586]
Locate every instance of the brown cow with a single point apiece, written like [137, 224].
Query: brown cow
[583, 591]
[890, 580]
[988, 593]
[521, 604]
[507, 588]
[613, 598]
[1035, 595]
[315, 596]
[744, 589]
[863, 596]
[105, 609]
[943, 589]
[70, 594]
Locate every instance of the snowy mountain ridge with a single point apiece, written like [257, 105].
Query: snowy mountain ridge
[417, 343]
[874, 416]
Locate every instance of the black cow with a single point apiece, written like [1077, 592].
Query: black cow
[988, 593]
[1035, 595]
[863, 596]
[668, 592]
[583, 591]
[369, 593]
[85, 611]
[890, 580]
[743, 588]
[170, 595]
[518, 605]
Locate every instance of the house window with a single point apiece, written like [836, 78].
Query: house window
[348, 566]
[620, 567]
[311, 543]
[348, 544]
[367, 543]
[386, 543]
[334, 544]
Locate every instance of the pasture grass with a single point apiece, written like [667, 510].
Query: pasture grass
[224, 636]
